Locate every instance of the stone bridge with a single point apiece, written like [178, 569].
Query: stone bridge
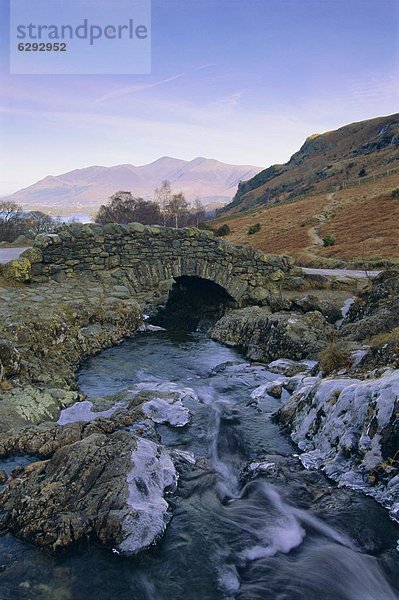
[150, 258]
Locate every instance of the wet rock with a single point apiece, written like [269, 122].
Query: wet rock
[289, 368]
[309, 303]
[265, 336]
[107, 488]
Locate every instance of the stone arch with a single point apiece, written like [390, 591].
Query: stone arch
[150, 275]
[193, 302]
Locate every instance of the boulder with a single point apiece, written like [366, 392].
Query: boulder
[375, 311]
[17, 270]
[309, 303]
[265, 336]
[102, 488]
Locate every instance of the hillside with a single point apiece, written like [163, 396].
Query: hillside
[325, 161]
[363, 219]
[86, 189]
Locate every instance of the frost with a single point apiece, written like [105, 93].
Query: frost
[263, 390]
[152, 475]
[166, 410]
[83, 411]
[340, 425]
[344, 311]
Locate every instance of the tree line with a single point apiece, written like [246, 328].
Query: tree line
[168, 209]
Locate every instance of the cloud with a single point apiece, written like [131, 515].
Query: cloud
[206, 66]
[133, 89]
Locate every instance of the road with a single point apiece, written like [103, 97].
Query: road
[7, 254]
[341, 272]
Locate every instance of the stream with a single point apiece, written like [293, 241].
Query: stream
[248, 521]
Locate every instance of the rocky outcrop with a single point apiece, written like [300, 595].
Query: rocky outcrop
[350, 429]
[374, 320]
[45, 332]
[99, 481]
[104, 488]
[266, 336]
[376, 311]
[80, 493]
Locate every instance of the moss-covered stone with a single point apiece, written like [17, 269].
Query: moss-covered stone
[19, 270]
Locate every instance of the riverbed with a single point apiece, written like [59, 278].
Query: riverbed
[247, 520]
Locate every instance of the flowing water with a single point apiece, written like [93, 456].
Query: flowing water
[248, 522]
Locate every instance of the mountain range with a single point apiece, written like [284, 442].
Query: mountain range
[84, 190]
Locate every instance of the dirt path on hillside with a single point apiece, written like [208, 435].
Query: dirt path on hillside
[322, 217]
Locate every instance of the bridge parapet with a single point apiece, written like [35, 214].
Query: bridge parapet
[147, 256]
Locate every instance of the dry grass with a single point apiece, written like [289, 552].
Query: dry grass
[284, 228]
[384, 338]
[333, 358]
[363, 219]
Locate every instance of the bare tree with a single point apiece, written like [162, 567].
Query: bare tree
[39, 222]
[177, 209]
[10, 214]
[198, 211]
[123, 207]
[162, 197]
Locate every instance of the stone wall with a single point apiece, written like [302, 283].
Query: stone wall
[147, 257]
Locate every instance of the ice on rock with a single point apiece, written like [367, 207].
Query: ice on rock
[166, 410]
[153, 474]
[344, 311]
[341, 425]
[146, 327]
[357, 356]
[166, 387]
[184, 455]
[263, 390]
[262, 467]
[83, 412]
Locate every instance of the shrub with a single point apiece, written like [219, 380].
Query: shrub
[254, 228]
[362, 172]
[329, 240]
[223, 230]
[395, 193]
[333, 357]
